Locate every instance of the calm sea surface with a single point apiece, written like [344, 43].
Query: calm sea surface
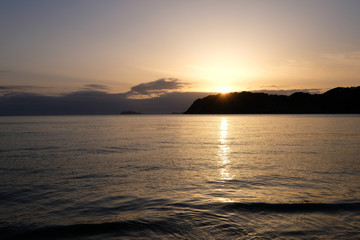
[180, 177]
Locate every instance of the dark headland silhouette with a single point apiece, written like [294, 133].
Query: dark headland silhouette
[337, 100]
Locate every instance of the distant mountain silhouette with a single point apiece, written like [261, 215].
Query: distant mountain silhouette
[337, 100]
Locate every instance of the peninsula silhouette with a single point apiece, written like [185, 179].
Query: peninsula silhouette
[337, 100]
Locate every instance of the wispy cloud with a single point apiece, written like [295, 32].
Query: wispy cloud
[347, 58]
[95, 87]
[143, 90]
[156, 88]
[288, 91]
[14, 89]
[168, 72]
[285, 90]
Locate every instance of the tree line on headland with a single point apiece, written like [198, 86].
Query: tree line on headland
[337, 100]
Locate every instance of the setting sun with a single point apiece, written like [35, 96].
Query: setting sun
[223, 89]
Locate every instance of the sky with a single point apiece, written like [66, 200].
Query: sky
[54, 47]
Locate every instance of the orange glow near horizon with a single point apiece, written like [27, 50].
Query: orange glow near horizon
[223, 89]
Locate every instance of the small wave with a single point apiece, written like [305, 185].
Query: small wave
[94, 151]
[310, 153]
[89, 176]
[123, 149]
[106, 150]
[30, 149]
[293, 207]
[39, 148]
[75, 231]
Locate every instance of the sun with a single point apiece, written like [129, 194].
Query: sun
[223, 89]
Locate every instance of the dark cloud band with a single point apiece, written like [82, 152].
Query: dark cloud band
[157, 87]
[96, 87]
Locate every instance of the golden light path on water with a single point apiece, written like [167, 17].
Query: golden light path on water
[223, 155]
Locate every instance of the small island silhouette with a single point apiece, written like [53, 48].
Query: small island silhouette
[129, 113]
[337, 100]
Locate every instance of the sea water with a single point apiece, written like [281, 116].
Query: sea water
[180, 177]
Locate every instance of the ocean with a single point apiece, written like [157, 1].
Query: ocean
[180, 177]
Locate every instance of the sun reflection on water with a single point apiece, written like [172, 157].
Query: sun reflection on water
[224, 151]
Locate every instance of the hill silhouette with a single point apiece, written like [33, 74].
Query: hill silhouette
[337, 100]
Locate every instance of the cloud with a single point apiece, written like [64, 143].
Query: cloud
[13, 89]
[92, 99]
[94, 102]
[347, 58]
[156, 88]
[288, 91]
[21, 100]
[93, 87]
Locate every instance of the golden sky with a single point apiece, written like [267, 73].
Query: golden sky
[61, 46]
